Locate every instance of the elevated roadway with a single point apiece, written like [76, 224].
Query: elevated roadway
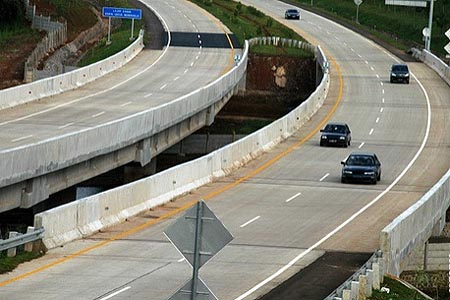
[54, 143]
[285, 209]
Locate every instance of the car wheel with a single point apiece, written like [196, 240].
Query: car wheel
[392, 81]
[379, 177]
[343, 180]
[349, 142]
[322, 144]
[407, 81]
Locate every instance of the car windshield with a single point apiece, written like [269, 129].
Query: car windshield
[360, 160]
[292, 10]
[402, 68]
[335, 128]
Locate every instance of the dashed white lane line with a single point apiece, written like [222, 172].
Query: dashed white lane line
[251, 221]
[382, 91]
[293, 197]
[381, 82]
[361, 145]
[371, 131]
[378, 76]
[200, 41]
[382, 100]
[176, 78]
[359, 55]
[116, 293]
[197, 57]
[324, 176]
[126, 103]
[377, 120]
[22, 138]
[353, 50]
[181, 259]
[98, 114]
[192, 63]
[148, 95]
[185, 71]
[372, 68]
[366, 62]
[163, 87]
[198, 35]
[381, 110]
[200, 47]
[66, 125]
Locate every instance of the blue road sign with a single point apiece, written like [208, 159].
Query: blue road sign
[123, 13]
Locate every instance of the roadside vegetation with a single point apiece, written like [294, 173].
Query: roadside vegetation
[400, 26]
[395, 291]
[7, 264]
[247, 22]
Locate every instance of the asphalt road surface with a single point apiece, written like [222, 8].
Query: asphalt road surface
[285, 209]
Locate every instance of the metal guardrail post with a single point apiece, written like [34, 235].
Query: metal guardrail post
[17, 239]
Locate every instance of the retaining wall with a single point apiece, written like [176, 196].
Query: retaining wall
[437, 258]
[433, 62]
[414, 226]
[84, 217]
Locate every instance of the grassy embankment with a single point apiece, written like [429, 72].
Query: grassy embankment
[398, 25]
[7, 264]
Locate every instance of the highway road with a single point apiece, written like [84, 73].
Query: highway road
[291, 207]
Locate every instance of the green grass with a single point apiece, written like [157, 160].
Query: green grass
[8, 34]
[247, 22]
[7, 264]
[402, 26]
[285, 51]
[398, 291]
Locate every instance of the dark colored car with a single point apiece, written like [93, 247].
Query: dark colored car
[338, 134]
[399, 73]
[292, 14]
[361, 167]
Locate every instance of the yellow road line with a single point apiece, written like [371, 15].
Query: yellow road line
[188, 205]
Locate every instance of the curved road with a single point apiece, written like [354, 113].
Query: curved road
[291, 207]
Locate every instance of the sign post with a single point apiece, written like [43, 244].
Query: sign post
[121, 13]
[358, 3]
[447, 47]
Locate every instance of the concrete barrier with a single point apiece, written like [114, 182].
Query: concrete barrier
[433, 62]
[68, 81]
[415, 226]
[88, 215]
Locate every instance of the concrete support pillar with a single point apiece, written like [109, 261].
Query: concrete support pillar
[35, 191]
[346, 295]
[362, 291]
[376, 276]
[144, 152]
[13, 251]
[132, 173]
[210, 114]
[354, 290]
[29, 246]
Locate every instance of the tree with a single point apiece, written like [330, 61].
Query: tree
[11, 12]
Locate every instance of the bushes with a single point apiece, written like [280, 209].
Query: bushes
[11, 12]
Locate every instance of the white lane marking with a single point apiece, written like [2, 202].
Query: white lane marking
[116, 293]
[185, 71]
[169, 40]
[22, 138]
[200, 42]
[98, 114]
[382, 91]
[192, 63]
[196, 57]
[199, 52]
[200, 47]
[371, 131]
[198, 36]
[377, 120]
[353, 50]
[181, 259]
[382, 100]
[176, 78]
[381, 82]
[126, 103]
[148, 95]
[378, 76]
[345, 44]
[324, 176]
[381, 110]
[252, 220]
[366, 62]
[359, 55]
[66, 125]
[293, 197]
[360, 146]
[372, 68]
[355, 215]
[163, 87]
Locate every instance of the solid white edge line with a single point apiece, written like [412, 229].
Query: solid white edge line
[363, 209]
[251, 221]
[324, 176]
[108, 89]
[116, 293]
[293, 197]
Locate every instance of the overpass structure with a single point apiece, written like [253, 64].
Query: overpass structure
[130, 115]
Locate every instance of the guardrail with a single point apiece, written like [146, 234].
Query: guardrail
[18, 239]
[368, 277]
[433, 62]
[86, 216]
[415, 226]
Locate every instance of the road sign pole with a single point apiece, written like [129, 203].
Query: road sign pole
[198, 235]
[430, 22]
[357, 14]
[109, 32]
[132, 30]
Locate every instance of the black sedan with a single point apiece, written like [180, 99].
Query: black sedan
[292, 14]
[399, 73]
[361, 167]
[338, 134]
